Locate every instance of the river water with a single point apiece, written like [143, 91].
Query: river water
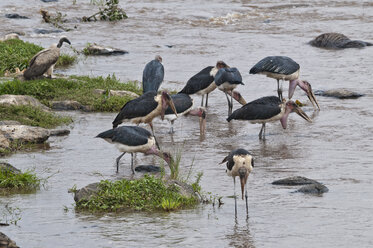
[336, 149]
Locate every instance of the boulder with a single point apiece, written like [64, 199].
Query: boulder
[21, 100]
[4, 142]
[8, 167]
[6, 242]
[148, 168]
[339, 93]
[315, 188]
[68, 105]
[94, 49]
[16, 16]
[86, 192]
[292, 181]
[59, 132]
[25, 133]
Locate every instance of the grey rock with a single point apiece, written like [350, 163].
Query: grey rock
[4, 142]
[6, 242]
[8, 167]
[123, 93]
[147, 168]
[316, 188]
[46, 31]
[68, 105]
[94, 49]
[339, 93]
[292, 181]
[59, 132]
[86, 192]
[16, 16]
[49, 1]
[9, 122]
[25, 133]
[22, 100]
[183, 188]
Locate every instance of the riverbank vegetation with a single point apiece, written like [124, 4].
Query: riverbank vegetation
[80, 89]
[15, 182]
[17, 54]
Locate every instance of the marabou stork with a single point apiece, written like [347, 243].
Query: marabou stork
[153, 75]
[184, 106]
[44, 61]
[267, 109]
[337, 41]
[203, 82]
[282, 67]
[240, 163]
[133, 139]
[145, 108]
[227, 79]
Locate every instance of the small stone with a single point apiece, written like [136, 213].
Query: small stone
[59, 132]
[4, 142]
[46, 31]
[147, 168]
[16, 16]
[99, 91]
[8, 167]
[123, 93]
[67, 105]
[6, 242]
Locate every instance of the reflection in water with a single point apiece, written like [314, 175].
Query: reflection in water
[241, 236]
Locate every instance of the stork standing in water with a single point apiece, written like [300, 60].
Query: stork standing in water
[44, 61]
[203, 82]
[153, 75]
[133, 139]
[184, 106]
[282, 67]
[227, 79]
[145, 108]
[267, 109]
[240, 163]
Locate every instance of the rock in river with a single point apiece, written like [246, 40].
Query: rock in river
[21, 100]
[94, 49]
[292, 181]
[338, 93]
[8, 167]
[6, 242]
[16, 16]
[316, 188]
[25, 133]
[68, 105]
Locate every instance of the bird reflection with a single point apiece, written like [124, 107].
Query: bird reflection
[241, 237]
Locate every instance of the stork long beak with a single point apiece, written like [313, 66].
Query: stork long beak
[242, 172]
[312, 98]
[301, 113]
[238, 97]
[172, 106]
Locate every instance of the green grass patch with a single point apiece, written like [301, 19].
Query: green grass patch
[17, 145]
[32, 116]
[78, 88]
[13, 181]
[148, 193]
[17, 53]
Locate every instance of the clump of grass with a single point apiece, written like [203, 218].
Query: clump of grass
[74, 88]
[110, 12]
[148, 193]
[32, 116]
[26, 181]
[17, 54]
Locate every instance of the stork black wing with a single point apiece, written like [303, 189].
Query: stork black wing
[138, 107]
[276, 64]
[260, 109]
[181, 101]
[199, 81]
[152, 76]
[127, 135]
[230, 75]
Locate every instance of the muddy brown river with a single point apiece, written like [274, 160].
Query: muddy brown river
[336, 149]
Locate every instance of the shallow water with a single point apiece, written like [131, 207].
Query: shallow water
[335, 149]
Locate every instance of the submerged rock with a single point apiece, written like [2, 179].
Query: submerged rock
[339, 93]
[49, 1]
[6, 242]
[25, 133]
[59, 132]
[21, 100]
[68, 105]
[337, 41]
[147, 168]
[47, 31]
[94, 49]
[8, 167]
[316, 188]
[292, 181]
[86, 192]
[15, 16]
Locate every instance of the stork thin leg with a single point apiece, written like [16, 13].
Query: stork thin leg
[203, 96]
[264, 131]
[261, 131]
[207, 99]
[247, 206]
[229, 104]
[172, 128]
[118, 158]
[156, 141]
[235, 198]
[279, 90]
[133, 172]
